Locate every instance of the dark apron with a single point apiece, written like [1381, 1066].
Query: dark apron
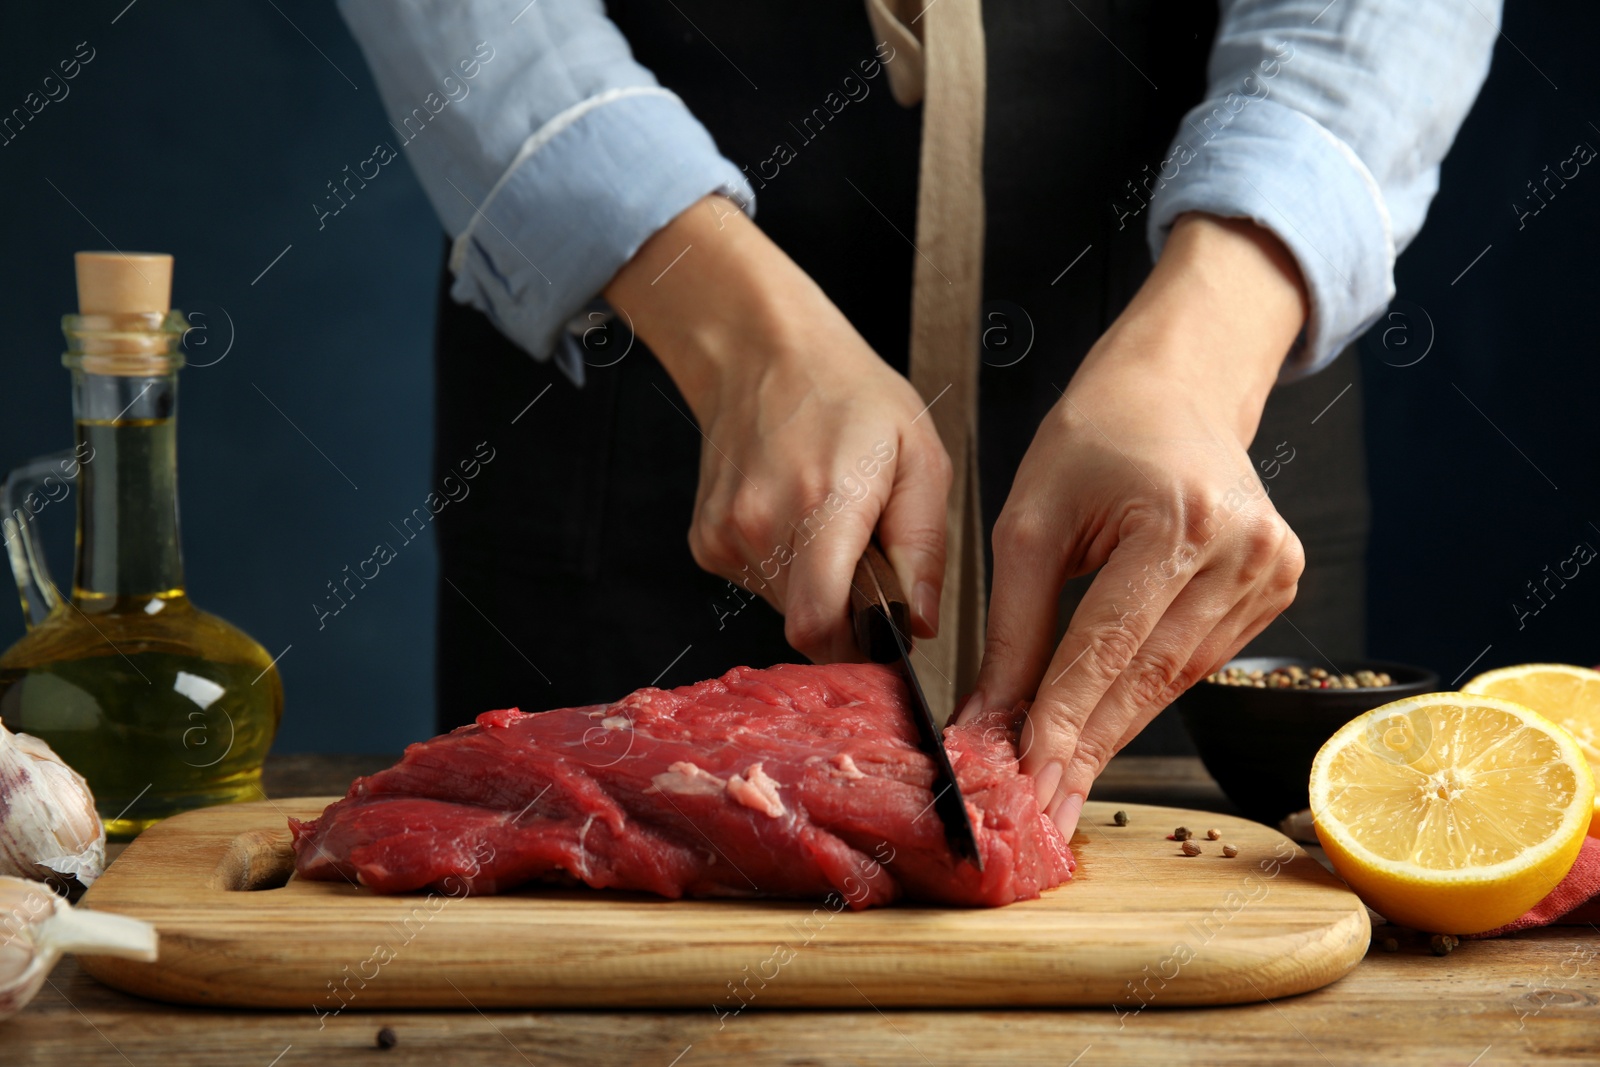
[566, 578]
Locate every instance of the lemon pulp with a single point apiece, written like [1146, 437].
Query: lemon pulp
[1451, 812]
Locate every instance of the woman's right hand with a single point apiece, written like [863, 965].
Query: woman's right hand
[810, 442]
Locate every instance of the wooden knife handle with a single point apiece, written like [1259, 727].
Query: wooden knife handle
[874, 584]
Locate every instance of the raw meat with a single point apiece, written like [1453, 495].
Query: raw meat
[794, 781]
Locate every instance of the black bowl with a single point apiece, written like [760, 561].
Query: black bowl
[1259, 743]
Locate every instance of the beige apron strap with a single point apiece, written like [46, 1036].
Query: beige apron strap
[946, 288]
[891, 25]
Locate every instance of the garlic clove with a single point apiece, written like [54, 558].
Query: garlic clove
[24, 960]
[49, 828]
[37, 926]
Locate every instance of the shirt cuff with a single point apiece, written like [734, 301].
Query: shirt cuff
[565, 217]
[1285, 172]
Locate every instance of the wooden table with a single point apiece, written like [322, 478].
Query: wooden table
[1534, 997]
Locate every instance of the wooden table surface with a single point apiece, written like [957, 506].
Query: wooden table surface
[1531, 998]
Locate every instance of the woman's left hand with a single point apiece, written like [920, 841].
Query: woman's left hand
[1141, 472]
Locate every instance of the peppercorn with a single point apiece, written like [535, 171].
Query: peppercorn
[1213, 834]
[1389, 944]
[1191, 848]
[1182, 833]
[1120, 818]
[1230, 851]
[1296, 677]
[1443, 944]
[387, 1038]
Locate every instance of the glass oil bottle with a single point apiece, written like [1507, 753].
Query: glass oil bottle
[161, 706]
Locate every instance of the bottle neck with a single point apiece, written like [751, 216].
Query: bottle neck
[129, 550]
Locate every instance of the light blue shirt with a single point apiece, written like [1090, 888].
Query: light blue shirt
[551, 155]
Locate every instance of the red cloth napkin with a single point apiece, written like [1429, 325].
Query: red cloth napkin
[1575, 901]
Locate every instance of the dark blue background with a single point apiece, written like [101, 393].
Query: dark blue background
[209, 130]
[1463, 516]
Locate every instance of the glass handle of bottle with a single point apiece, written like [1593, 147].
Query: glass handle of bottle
[24, 495]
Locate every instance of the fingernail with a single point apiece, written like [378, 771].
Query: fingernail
[1055, 806]
[925, 602]
[1045, 782]
[970, 710]
[1066, 816]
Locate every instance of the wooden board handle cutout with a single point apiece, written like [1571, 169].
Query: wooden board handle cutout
[255, 859]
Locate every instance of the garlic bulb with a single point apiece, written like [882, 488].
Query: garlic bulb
[36, 927]
[49, 828]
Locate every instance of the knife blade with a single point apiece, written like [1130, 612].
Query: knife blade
[882, 620]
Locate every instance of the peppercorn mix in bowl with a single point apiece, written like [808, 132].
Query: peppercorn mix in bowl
[1259, 721]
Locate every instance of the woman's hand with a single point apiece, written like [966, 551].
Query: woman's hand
[1141, 472]
[811, 442]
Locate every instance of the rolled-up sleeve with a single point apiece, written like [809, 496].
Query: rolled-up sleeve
[1326, 123]
[549, 154]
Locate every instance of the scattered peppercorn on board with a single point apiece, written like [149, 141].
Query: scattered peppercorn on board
[1141, 924]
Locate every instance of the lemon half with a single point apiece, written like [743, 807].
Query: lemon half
[1569, 695]
[1450, 812]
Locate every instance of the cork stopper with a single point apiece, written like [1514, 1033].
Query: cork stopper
[121, 283]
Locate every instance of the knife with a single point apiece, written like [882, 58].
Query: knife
[882, 620]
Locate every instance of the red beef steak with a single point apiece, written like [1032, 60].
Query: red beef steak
[794, 781]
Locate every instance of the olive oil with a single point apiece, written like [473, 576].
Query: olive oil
[130, 483]
[161, 727]
[161, 706]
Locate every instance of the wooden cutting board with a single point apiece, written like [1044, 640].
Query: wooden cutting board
[1140, 924]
